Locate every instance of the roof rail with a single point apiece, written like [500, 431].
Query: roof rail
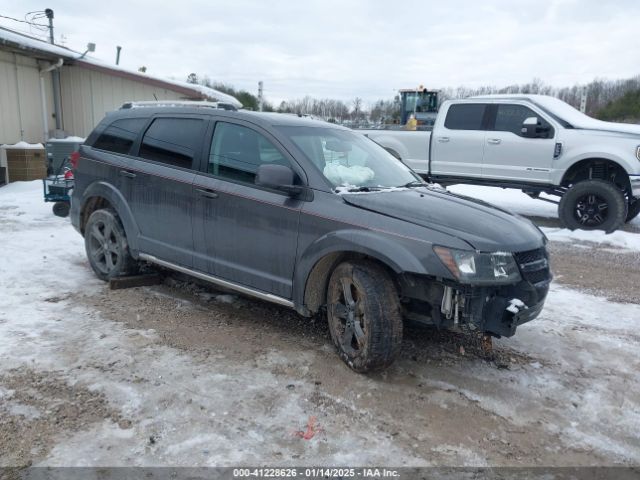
[178, 103]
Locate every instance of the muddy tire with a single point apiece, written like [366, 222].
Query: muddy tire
[364, 315]
[593, 205]
[633, 210]
[106, 245]
[61, 209]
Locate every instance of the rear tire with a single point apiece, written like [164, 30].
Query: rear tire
[106, 245]
[593, 205]
[364, 316]
[633, 210]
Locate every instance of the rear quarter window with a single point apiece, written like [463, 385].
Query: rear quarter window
[120, 136]
[465, 116]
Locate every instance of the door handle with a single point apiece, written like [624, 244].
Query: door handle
[443, 139]
[205, 192]
[494, 141]
[127, 173]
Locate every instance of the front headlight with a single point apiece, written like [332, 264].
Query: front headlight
[638, 152]
[479, 268]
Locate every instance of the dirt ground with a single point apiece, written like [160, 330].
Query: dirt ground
[441, 403]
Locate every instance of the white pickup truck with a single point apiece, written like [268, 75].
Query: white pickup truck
[535, 143]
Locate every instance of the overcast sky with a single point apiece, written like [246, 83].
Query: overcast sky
[348, 48]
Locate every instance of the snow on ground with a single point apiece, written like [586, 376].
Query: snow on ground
[508, 199]
[580, 390]
[43, 266]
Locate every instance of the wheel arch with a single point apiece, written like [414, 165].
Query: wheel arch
[103, 195]
[597, 168]
[320, 259]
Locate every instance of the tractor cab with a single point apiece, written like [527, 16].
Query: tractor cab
[422, 103]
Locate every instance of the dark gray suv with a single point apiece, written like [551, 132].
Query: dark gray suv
[304, 214]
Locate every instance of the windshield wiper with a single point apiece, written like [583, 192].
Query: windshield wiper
[414, 183]
[365, 189]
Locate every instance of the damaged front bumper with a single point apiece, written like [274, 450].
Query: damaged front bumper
[494, 310]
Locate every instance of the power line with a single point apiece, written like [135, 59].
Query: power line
[23, 21]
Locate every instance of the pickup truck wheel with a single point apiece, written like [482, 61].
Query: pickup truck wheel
[633, 210]
[593, 205]
[364, 316]
[106, 245]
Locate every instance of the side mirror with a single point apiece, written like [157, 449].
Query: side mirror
[278, 177]
[530, 127]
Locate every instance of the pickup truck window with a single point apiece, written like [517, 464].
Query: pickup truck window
[467, 116]
[172, 141]
[510, 117]
[237, 152]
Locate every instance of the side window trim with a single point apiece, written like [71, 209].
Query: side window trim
[215, 121]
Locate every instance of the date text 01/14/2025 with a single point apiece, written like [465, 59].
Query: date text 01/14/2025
[319, 472]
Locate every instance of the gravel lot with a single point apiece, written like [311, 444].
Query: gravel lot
[179, 374]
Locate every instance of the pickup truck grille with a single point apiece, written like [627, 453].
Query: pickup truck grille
[534, 266]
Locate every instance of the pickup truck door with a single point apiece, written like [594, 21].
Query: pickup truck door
[457, 145]
[508, 155]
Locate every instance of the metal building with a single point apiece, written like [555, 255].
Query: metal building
[88, 89]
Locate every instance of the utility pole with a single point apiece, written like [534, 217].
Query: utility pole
[260, 101]
[583, 99]
[118, 50]
[55, 77]
[49, 13]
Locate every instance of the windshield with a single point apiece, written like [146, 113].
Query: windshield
[565, 112]
[350, 161]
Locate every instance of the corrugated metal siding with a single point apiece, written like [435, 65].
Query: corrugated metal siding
[88, 95]
[20, 99]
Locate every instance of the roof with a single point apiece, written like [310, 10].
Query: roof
[39, 49]
[512, 96]
[265, 119]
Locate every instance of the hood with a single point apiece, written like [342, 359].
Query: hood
[626, 129]
[485, 227]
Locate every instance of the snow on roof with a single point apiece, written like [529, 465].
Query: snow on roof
[23, 146]
[34, 45]
[67, 139]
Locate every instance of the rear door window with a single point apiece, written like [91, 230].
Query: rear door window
[120, 136]
[173, 141]
[469, 116]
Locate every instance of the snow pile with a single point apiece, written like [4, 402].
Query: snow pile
[619, 238]
[508, 199]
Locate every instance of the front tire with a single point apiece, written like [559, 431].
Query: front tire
[364, 316]
[106, 245]
[593, 205]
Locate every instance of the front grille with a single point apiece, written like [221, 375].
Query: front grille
[534, 265]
